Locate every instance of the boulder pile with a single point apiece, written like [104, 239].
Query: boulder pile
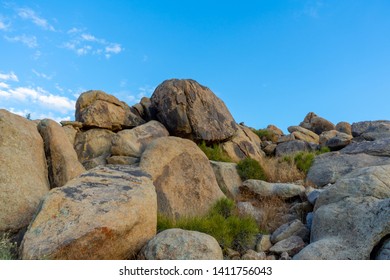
[96, 187]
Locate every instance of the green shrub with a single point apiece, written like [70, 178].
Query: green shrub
[222, 222]
[266, 135]
[250, 169]
[304, 160]
[214, 152]
[7, 248]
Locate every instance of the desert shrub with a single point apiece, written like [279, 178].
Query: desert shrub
[278, 170]
[304, 160]
[7, 247]
[250, 169]
[222, 222]
[214, 152]
[266, 135]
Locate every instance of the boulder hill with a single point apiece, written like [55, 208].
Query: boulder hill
[94, 188]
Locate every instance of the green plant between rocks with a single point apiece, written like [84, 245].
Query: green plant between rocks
[249, 168]
[214, 152]
[222, 222]
[266, 135]
[304, 160]
[7, 247]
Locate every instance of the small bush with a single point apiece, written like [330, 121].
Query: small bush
[304, 160]
[214, 152]
[250, 169]
[222, 222]
[7, 248]
[266, 135]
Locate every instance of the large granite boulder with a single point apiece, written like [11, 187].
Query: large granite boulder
[184, 180]
[227, 177]
[351, 217]
[329, 167]
[178, 244]
[380, 147]
[316, 123]
[371, 130]
[109, 212]
[335, 140]
[245, 143]
[98, 109]
[303, 134]
[132, 142]
[93, 146]
[63, 164]
[293, 147]
[23, 171]
[190, 110]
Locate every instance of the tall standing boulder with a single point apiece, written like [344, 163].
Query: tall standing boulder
[316, 123]
[190, 110]
[110, 212]
[97, 109]
[23, 171]
[184, 179]
[63, 164]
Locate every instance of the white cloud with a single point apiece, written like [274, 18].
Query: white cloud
[3, 25]
[42, 75]
[83, 43]
[29, 14]
[9, 77]
[29, 41]
[3, 85]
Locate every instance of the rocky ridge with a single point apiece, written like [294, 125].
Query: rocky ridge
[94, 187]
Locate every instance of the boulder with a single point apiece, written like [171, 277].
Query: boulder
[178, 244]
[122, 160]
[335, 140]
[291, 246]
[275, 130]
[344, 127]
[371, 130]
[316, 124]
[245, 208]
[227, 177]
[285, 231]
[293, 147]
[263, 243]
[93, 146]
[190, 110]
[183, 177]
[70, 132]
[109, 212]
[254, 256]
[351, 217]
[380, 147]
[245, 143]
[132, 142]
[23, 171]
[264, 189]
[303, 134]
[383, 251]
[329, 167]
[285, 138]
[269, 149]
[63, 164]
[96, 108]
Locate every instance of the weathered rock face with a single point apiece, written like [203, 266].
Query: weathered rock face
[93, 146]
[352, 216]
[344, 127]
[303, 134]
[329, 167]
[371, 130]
[380, 147]
[132, 142]
[190, 110]
[63, 164]
[316, 124]
[227, 177]
[96, 108]
[291, 246]
[293, 228]
[184, 180]
[244, 144]
[178, 244]
[294, 146]
[335, 140]
[23, 171]
[265, 189]
[107, 213]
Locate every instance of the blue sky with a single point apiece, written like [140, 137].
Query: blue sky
[270, 61]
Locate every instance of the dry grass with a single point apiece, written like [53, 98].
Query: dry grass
[273, 209]
[279, 171]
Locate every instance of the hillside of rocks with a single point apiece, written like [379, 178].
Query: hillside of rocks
[94, 188]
